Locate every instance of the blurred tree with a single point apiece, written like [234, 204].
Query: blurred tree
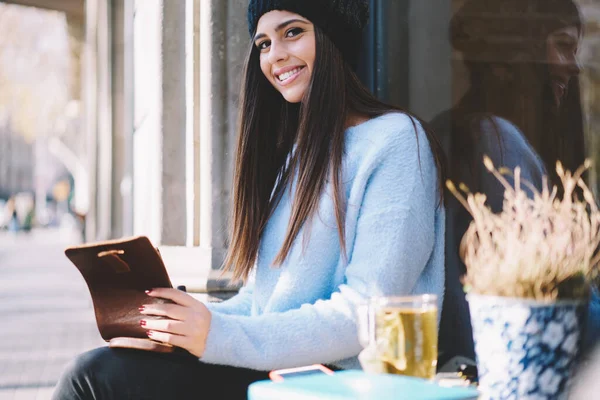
[40, 91]
[36, 70]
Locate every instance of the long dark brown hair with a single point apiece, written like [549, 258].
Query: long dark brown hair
[269, 127]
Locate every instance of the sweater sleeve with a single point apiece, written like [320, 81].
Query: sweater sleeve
[392, 242]
[240, 304]
[507, 147]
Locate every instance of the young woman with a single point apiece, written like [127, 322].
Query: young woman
[337, 197]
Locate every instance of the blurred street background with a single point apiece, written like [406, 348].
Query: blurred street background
[46, 316]
[45, 309]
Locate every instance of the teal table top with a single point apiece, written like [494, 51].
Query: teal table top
[359, 385]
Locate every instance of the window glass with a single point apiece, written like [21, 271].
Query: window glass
[516, 80]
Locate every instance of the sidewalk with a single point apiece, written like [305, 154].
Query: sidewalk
[46, 313]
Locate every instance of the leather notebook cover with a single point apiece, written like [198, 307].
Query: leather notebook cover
[117, 273]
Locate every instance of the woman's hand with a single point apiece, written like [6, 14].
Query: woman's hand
[186, 322]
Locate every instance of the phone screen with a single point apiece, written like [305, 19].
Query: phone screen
[281, 374]
[301, 373]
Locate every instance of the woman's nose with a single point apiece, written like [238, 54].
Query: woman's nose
[277, 53]
[575, 67]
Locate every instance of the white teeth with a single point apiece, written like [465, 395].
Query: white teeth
[285, 76]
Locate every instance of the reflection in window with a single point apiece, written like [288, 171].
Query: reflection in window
[524, 78]
[517, 62]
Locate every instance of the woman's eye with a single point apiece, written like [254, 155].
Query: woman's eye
[293, 32]
[565, 45]
[263, 45]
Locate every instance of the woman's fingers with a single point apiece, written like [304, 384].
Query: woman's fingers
[172, 311]
[187, 322]
[169, 338]
[165, 326]
[177, 296]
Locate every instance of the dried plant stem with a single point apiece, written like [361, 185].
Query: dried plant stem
[539, 246]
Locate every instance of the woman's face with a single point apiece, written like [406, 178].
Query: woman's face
[561, 49]
[286, 42]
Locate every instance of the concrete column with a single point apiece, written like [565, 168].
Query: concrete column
[104, 143]
[223, 45]
[122, 124]
[147, 217]
[98, 117]
[173, 123]
[193, 122]
[89, 112]
[76, 150]
[108, 112]
[160, 121]
[238, 41]
[213, 125]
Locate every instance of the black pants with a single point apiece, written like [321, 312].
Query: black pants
[107, 374]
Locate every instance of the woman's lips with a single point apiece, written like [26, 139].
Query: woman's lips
[291, 79]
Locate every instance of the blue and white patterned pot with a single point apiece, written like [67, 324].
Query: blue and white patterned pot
[525, 349]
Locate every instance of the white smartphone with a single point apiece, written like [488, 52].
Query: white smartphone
[279, 375]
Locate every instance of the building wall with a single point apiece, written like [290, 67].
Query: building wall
[159, 182]
[146, 128]
[223, 45]
[430, 81]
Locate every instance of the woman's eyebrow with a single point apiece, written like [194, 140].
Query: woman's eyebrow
[280, 27]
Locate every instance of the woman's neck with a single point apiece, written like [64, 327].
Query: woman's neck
[356, 119]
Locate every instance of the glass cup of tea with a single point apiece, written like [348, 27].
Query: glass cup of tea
[402, 333]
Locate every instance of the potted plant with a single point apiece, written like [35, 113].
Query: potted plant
[530, 270]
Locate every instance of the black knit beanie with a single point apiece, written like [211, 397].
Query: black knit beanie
[341, 20]
[509, 30]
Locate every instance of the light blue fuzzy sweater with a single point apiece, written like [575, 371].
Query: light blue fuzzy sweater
[304, 312]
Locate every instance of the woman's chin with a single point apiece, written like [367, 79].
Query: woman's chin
[292, 95]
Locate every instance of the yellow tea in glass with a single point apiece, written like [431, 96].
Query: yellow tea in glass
[406, 334]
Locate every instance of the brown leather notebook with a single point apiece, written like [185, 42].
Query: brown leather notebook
[117, 273]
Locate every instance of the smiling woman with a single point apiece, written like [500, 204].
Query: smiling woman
[287, 52]
[327, 179]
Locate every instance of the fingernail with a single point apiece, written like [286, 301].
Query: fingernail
[147, 291]
[142, 308]
[142, 323]
[149, 333]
